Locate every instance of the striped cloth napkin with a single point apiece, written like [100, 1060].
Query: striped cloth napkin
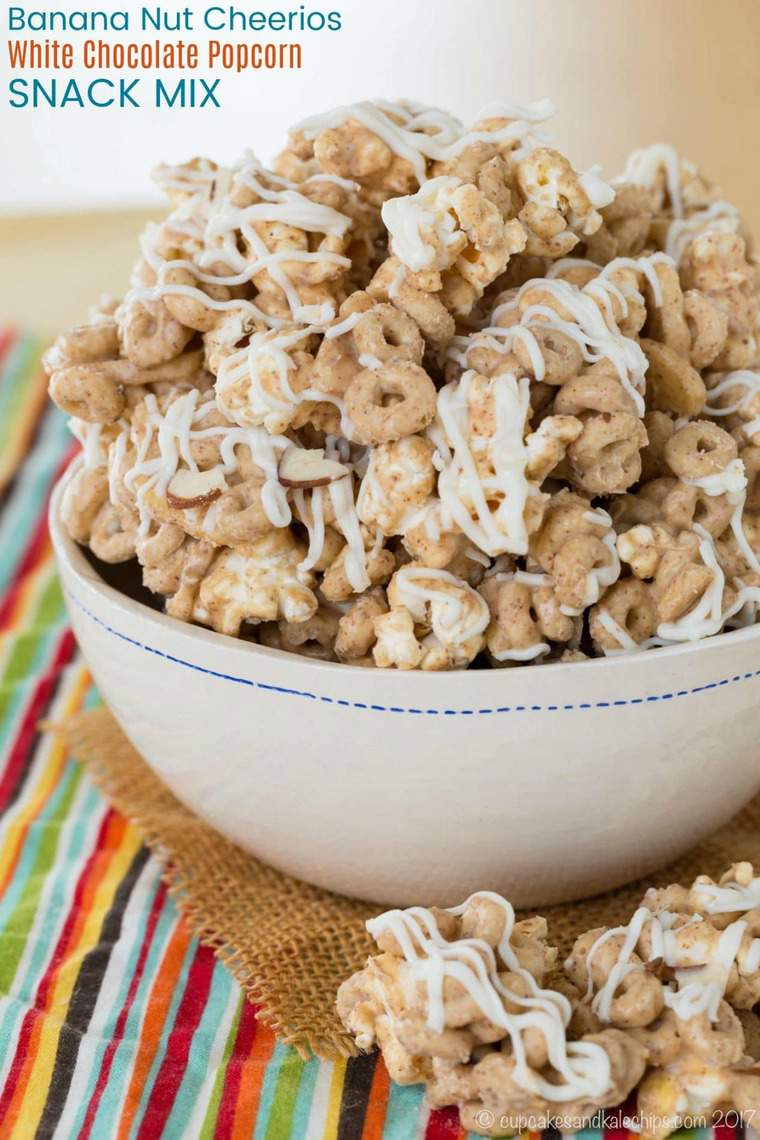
[114, 1022]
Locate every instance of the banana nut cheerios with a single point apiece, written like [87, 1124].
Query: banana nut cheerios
[421, 396]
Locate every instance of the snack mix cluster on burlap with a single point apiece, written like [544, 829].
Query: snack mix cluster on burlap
[476, 1006]
[421, 396]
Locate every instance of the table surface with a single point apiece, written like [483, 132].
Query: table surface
[114, 1021]
[56, 266]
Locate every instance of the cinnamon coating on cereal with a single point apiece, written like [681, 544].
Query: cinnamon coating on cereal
[427, 396]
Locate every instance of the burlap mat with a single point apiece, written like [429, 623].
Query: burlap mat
[291, 945]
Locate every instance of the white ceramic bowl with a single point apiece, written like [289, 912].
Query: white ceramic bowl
[544, 783]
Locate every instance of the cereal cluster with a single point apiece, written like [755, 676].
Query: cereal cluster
[422, 395]
[473, 1003]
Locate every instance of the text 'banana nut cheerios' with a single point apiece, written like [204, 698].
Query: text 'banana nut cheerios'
[422, 396]
[475, 1005]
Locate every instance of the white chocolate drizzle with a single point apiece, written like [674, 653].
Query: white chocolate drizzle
[313, 517]
[747, 383]
[718, 217]
[599, 577]
[731, 482]
[173, 432]
[527, 653]
[728, 898]
[413, 220]
[245, 367]
[457, 614]
[644, 167]
[214, 224]
[591, 325]
[702, 969]
[90, 435]
[346, 519]
[426, 134]
[626, 643]
[706, 617]
[489, 510]
[583, 1068]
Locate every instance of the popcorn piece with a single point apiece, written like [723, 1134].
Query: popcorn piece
[548, 445]
[560, 206]
[396, 645]
[451, 228]
[399, 481]
[483, 485]
[266, 384]
[258, 582]
[441, 625]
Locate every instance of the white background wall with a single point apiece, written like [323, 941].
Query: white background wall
[622, 72]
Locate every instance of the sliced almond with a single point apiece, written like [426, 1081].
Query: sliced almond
[307, 467]
[194, 488]
[660, 969]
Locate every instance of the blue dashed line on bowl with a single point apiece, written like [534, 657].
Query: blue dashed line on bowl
[581, 706]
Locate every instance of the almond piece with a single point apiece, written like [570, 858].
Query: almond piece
[195, 488]
[307, 467]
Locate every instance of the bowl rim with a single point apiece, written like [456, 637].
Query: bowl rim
[69, 553]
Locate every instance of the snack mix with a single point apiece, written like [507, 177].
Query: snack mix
[421, 396]
[474, 1004]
